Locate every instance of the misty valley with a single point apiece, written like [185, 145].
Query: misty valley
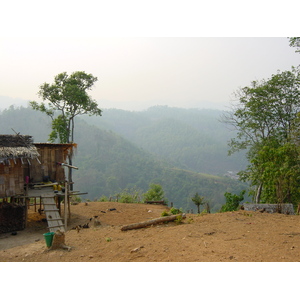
[183, 150]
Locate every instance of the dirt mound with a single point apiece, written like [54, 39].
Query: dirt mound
[233, 236]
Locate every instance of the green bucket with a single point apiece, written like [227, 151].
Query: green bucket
[49, 238]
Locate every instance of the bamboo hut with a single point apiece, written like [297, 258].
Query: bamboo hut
[25, 165]
[16, 152]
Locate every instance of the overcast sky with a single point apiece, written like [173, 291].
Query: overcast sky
[135, 73]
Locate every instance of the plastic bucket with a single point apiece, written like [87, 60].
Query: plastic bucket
[49, 238]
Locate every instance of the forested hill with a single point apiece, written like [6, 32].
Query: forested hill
[193, 139]
[109, 163]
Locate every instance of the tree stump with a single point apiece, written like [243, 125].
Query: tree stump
[59, 241]
[95, 222]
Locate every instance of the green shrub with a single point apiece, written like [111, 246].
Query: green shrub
[103, 199]
[175, 211]
[232, 201]
[155, 193]
[165, 213]
[178, 220]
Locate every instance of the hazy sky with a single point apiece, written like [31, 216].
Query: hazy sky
[135, 73]
[133, 49]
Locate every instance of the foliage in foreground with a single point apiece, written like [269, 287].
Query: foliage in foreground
[267, 120]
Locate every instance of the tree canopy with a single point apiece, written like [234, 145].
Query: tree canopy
[295, 42]
[68, 96]
[264, 117]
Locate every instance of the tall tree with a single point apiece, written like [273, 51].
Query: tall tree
[65, 99]
[264, 117]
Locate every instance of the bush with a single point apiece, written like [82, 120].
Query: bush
[165, 213]
[126, 198]
[232, 201]
[155, 193]
[175, 211]
[178, 220]
[103, 199]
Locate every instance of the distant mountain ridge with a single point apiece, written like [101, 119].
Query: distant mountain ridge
[6, 102]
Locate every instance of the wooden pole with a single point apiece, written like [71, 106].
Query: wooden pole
[66, 204]
[152, 222]
[69, 207]
[26, 212]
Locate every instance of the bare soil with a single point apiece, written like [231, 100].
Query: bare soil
[240, 236]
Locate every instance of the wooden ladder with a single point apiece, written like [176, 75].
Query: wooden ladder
[52, 214]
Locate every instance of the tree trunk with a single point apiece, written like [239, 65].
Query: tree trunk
[258, 193]
[152, 222]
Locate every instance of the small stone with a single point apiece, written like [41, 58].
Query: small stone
[135, 250]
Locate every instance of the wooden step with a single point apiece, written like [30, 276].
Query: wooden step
[52, 213]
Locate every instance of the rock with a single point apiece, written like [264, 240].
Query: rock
[285, 208]
[135, 250]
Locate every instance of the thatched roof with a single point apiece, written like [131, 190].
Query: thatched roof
[17, 146]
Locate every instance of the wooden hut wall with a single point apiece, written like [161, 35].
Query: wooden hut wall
[11, 179]
[49, 156]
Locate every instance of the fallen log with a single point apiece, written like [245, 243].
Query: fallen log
[152, 222]
[155, 202]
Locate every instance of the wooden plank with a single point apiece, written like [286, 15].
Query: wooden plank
[52, 214]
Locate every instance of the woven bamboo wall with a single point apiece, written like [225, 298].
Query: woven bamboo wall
[50, 154]
[11, 179]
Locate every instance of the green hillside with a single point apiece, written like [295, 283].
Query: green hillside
[193, 139]
[109, 163]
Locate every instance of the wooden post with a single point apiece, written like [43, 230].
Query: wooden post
[66, 204]
[69, 206]
[26, 212]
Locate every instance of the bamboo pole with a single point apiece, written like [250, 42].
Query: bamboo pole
[65, 205]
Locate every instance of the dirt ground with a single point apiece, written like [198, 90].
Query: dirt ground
[240, 236]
